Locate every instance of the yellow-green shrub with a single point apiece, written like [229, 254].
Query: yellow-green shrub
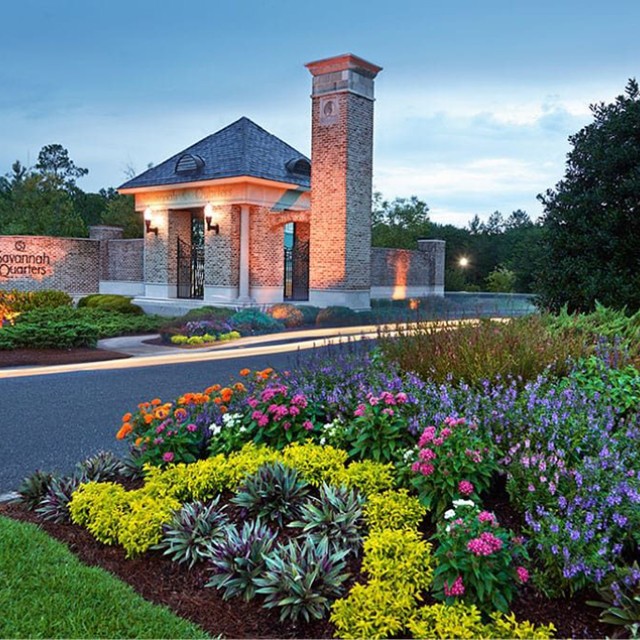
[141, 527]
[393, 510]
[447, 621]
[179, 339]
[464, 621]
[506, 626]
[316, 463]
[400, 559]
[248, 460]
[99, 506]
[368, 476]
[374, 610]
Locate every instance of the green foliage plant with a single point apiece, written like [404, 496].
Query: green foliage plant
[501, 280]
[378, 429]
[110, 302]
[317, 464]
[451, 461]
[335, 515]
[187, 538]
[254, 322]
[368, 476]
[274, 493]
[620, 603]
[393, 510]
[478, 561]
[238, 558]
[309, 313]
[100, 467]
[302, 579]
[54, 505]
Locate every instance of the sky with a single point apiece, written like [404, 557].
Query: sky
[474, 106]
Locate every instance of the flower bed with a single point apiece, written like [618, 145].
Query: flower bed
[434, 509]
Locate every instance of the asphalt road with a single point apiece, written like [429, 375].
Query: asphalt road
[51, 422]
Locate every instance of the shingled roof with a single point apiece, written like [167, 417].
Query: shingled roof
[240, 149]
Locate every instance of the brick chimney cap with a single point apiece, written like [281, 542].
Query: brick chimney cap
[342, 63]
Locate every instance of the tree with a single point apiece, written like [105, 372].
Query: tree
[591, 219]
[55, 166]
[399, 223]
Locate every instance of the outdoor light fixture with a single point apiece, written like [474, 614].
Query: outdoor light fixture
[208, 216]
[148, 217]
[463, 262]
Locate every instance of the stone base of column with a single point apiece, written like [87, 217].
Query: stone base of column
[356, 299]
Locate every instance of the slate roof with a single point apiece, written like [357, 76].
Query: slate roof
[240, 149]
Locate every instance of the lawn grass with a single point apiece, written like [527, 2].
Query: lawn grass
[45, 592]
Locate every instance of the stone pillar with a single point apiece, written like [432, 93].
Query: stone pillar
[103, 234]
[243, 288]
[156, 258]
[433, 251]
[221, 257]
[341, 181]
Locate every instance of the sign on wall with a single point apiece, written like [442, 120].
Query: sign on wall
[20, 262]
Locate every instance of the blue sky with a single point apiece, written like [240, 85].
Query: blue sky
[473, 108]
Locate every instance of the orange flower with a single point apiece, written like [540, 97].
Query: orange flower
[138, 442]
[223, 409]
[126, 417]
[226, 394]
[209, 390]
[124, 431]
[245, 372]
[148, 418]
[156, 401]
[217, 400]
[238, 386]
[143, 405]
[216, 387]
[161, 413]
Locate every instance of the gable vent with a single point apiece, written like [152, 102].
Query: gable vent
[189, 164]
[301, 166]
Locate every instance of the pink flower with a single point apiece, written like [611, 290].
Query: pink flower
[438, 442]
[191, 427]
[388, 398]
[523, 574]
[360, 411]
[263, 421]
[465, 487]
[415, 467]
[426, 469]
[252, 402]
[158, 440]
[287, 426]
[388, 411]
[426, 454]
[445, 433]
[168, 456]
[308, 425]
[456, 589]
[294, 411]
[373, 400]
[401, 397]
[427, 436]
[299, 400]
[160, 428]
[486, 516]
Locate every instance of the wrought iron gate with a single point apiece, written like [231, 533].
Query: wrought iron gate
[296, 271]
[190, 270]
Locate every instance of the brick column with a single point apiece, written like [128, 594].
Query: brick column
[433, 251]
[341, 181]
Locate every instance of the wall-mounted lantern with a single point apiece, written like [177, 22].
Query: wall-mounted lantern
[148, 219]
[208, 216]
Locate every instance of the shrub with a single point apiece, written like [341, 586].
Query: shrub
[302, 579]
[251, 322]
[337, 317]
[187, 538]
[208, 313]
[54, 335]
[453, 461]
[478, 561]
[374, 610]
[110, 302]
[239, 558]
[309, 313]
[368, 476]
[335, 515]
[274, 492]
[393, 510]
[288, 314]
[474, 352]
[501, 280]
[14, 301]
[54, 505]
[101, 467]
[315, 463]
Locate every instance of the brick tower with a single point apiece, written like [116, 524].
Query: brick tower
[341, 161]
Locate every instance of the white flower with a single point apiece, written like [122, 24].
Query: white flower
[450, 513]
[408, 455]
[323, 441]
[215, 429]
[463, 503]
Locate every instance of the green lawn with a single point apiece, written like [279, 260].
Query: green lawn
[45, 592]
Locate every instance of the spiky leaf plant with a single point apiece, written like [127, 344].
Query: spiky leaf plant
[238, 558]
[275, 492]
[101, 467]
[55, 504]
[34, 487]
[303, 579]
[188, 537]
[335, 514]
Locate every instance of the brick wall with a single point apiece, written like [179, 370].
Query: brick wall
[266, 261]
[124, 260]
[32, 263]
[222, 251]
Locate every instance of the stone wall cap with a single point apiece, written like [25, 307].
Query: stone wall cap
[343, 62]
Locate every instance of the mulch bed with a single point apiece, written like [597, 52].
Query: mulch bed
[162, 581]
[47, 357]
